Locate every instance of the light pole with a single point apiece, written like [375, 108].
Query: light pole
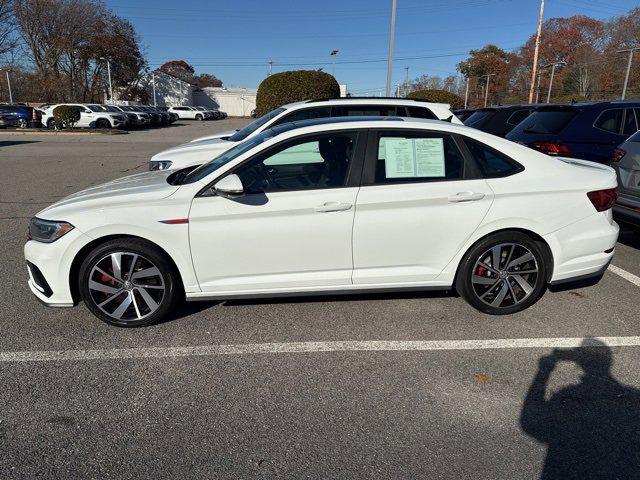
[270, 70]
[153, 79]
[535, 52]
[466, 93]
[9, 87]
[553, 71]
[538, 87]
[486, 92]
[391, 35]
[333, 63]
[109, 75]
[626, 77]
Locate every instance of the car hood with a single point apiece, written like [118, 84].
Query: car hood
[228, 133]
[193, 153]
[137, 188]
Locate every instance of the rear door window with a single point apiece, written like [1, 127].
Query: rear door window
[610, 120]
[546, 121]
[630, 124]
[478, 117]
[492, 163]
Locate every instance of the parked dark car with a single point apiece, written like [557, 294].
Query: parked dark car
[463, 113]
[20, 116]
[498, 120]
[626, 162]
[589, 131]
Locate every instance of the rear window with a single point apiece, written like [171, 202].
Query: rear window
[517, 116]
[546, 121]
[421, 112]
[491, 162]
[478, 117]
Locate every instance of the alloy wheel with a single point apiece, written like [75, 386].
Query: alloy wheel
[126, 286]
[22, 123]
[505, 275]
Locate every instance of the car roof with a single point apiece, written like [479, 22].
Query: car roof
[363, 101]
[285, 127]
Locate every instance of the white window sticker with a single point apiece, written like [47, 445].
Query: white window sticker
[413, 157]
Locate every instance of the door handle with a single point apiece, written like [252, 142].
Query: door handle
[465, 197]
[333, 207]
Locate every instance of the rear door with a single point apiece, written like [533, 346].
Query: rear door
[419, 202]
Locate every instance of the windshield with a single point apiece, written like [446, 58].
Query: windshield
[478, 117]
[253, 126]
[110, 108]
[211, 166]
[95, 108]
[546, 121]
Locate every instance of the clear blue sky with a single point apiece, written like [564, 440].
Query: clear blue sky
[234, 39]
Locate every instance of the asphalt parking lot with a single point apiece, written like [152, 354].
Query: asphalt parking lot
[376, 386]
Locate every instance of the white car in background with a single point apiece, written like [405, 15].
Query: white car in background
[330, 207]
[188, 113]
[203, 149]
[91, 116]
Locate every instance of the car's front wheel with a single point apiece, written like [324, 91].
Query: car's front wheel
[199, 117]
[23, 123]
[129, 283]
[103, 123]
[503, 273]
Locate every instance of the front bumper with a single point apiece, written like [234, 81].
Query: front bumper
[49, 266]
[584, 248]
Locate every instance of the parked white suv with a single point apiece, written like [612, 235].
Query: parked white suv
[203, 149]
[91, 116]
[188, 113]
[323, 207]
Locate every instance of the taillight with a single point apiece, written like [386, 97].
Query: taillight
[617, 154]
[603, 199]
[551, 148]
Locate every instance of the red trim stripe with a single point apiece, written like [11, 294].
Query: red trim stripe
[175, 221]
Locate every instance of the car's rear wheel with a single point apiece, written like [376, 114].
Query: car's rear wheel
[23, 123]
[51, 123]
[199, 117]
[502, 274]
[129, 283]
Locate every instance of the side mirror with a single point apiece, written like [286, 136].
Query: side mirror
[229, 186]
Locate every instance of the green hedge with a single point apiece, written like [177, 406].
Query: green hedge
[438, 96]
[66, 115]
[294, 86]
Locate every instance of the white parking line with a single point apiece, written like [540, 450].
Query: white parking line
[314, 347]
[626, 275]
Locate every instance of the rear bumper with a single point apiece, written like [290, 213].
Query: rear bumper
[583, 249]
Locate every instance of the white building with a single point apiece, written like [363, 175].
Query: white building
[237, 102]
[166, 90]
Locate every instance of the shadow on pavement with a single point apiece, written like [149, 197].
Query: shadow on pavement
[592, 429]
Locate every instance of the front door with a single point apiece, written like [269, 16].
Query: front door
[292, 226]
[419, 202]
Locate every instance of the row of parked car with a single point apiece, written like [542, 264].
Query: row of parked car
[105, 116]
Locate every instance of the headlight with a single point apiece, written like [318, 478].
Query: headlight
[160, 164]
[47, 231]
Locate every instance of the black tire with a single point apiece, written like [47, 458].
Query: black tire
[165, 289]
[51, 123]
[484, 287]
[199, 117]
[23, 123]
[103, 123]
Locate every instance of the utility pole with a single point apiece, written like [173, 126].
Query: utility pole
[153, 79]
[391, 36]
[9, 87]
[333, 63]
[553, 71]
[270, 63]
[626, 77]
[535, 52]
[486, 92]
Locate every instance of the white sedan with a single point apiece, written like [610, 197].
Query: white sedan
[203, 149]
[344, 206]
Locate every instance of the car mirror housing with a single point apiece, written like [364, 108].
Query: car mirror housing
[229, 186]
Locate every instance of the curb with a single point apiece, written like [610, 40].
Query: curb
[46, 131]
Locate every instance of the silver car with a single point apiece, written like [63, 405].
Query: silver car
[626, 162]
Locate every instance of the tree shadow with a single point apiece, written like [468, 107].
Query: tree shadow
[592, 429]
